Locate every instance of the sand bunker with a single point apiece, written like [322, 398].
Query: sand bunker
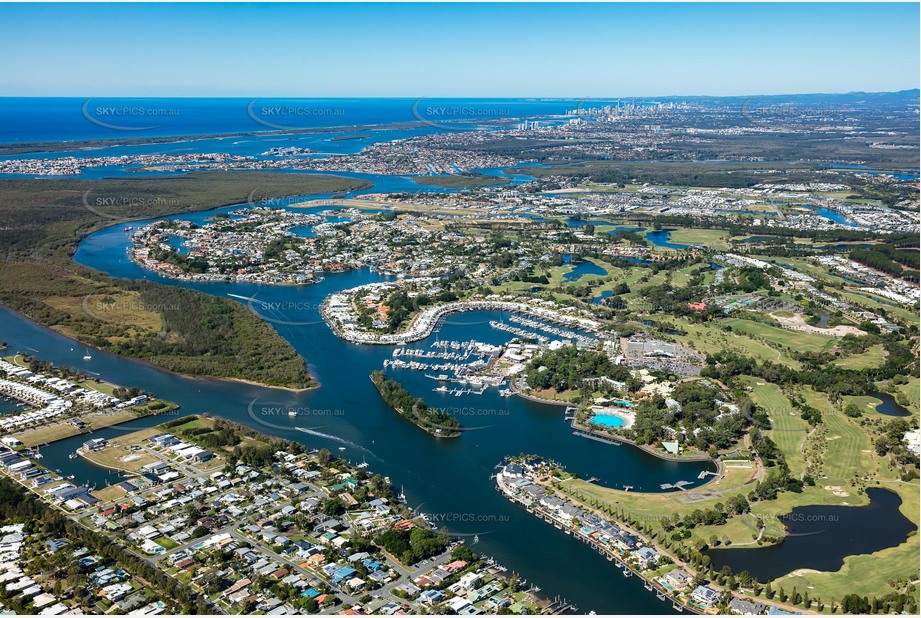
[797, 322]
[799, 572]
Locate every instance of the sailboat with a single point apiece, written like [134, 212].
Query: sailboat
[476, 539]
[87, 355]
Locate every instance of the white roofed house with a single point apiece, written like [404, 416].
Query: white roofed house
[647, 556]
[705, 595]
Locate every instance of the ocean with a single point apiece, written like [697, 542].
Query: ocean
[26, 120]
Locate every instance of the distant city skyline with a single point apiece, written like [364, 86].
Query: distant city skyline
[457, 50]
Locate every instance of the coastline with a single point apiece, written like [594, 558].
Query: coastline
[620, 562]
[314, 382]
[449, 432]
[605, 437]
[92, 144]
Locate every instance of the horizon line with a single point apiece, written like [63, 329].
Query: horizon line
[499, 97]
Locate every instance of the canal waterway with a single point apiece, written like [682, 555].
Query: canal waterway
[446, 477]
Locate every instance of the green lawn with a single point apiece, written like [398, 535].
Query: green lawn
[681, 276]
[875, 356]
[867, 574]
[709, 339]
[712, 239]
[912, 390]
[780, 337]
[166, 543]
[788, 430]
[898, 312]
[848, 447]
[849, 465]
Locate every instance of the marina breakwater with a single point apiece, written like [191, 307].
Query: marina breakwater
[337, 312]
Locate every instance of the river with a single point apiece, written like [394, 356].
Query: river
[446, 477]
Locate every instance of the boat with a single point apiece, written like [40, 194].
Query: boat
[476, 539]
[292, 412]
[341, 448]
[87, 355]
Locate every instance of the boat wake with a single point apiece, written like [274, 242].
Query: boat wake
[330, 436]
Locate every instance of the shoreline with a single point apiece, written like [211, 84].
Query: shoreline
[19, 435]
[432, 317]
[623, 560]
[645, 447]
[162, 368]
[84, 144]
[618, 438]
[315, 383]
[449, 433]
[620, 562]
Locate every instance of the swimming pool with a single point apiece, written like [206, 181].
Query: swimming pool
[607, 420]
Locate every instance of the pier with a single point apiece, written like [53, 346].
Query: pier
[592, 436]
[619, 558]
[679, 485]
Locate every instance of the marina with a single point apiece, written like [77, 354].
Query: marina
[391, 446]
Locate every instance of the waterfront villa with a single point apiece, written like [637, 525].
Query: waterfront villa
[744, 607]
[705, 595]
[678, 579]
[647, 556]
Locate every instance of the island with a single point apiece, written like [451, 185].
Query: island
[414, 409]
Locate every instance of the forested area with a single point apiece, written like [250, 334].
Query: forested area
[432, 420]
[182, 330]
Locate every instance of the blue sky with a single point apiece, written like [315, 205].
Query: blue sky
[476, 50]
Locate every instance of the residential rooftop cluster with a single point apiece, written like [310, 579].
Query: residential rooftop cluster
[524, 480]
[33, 390]
[296, 533]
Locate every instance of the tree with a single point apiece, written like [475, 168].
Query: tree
[333, 507]
[855, 604]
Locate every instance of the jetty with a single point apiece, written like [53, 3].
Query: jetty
[592, 436]
[622, 559]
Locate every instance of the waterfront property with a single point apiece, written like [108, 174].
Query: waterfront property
[632, 552]
[321, 531]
